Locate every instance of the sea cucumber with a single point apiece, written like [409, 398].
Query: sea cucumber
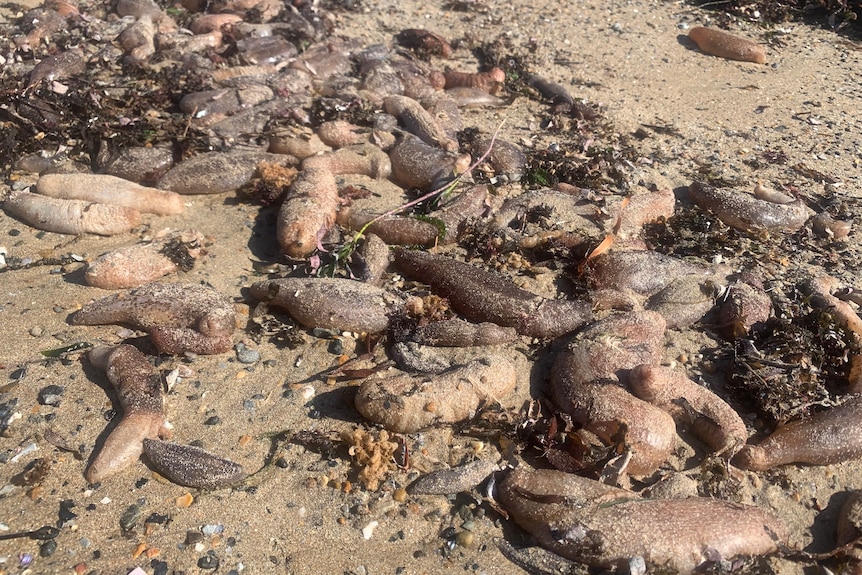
[217, 172]
[106, 189]
[416, 164]
[308, 210]
[364, 159]
[139, 391]
[457, 332]
[332, 303]
[453, 480]
[298, 146]
[425, 41]
[140, 264]
[419, 122]
[605, 526]
[826, 437]
[724, 45]
[192, 466]
[714, 421]
[179, 317]
[643, 271]
[584, 383]
[490, 81]
[481, 295]
[394, 230]
[409, 403]
[71, 216]
[744, 306]
[747, 213]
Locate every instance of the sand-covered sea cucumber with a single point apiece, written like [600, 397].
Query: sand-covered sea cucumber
[179, 317]
[309, 209]
[724, 45]
[409, 403]
[714, 421]
[192, 466]
[605, 526]
[106, 189]
[71, 216]
[139, 391]
[331, 303]
[481, 295]
[826, 437]
[748, 213]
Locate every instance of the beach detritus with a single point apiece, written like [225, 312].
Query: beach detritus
[179, 317]
[490, 81]
[725, 45]
[192, 466]
[331, 303]
[747, 213]
[142, 165]
[139, 391]
[453, 480]
[374, 454]
[424, 41]
[474, 98]
[585, 382]
[309, 209]
[140, 264]
[827, 437]
[106, 189]
[481, 296]
[711, 419]
[58, 67]
[744, 306]
[409, 403]
[454, 214]
[371, 260]
[849, 530]
[605, 526]
[71, 216]
[826, 226]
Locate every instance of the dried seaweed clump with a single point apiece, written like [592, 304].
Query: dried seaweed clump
[798, 360]
[835, 13]
[373, 455]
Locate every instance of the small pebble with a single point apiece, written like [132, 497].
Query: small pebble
[400, 495]
[130, 517]
[208, 562]
[193, 537]
[48, 548]
[246, 355]
[368, 530]
[212, 529]
[464, 539]
[214, 420]
[50, 395]
[36, 331]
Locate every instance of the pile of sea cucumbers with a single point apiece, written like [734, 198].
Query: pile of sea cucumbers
[607, 376]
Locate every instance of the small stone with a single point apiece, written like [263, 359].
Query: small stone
[36, 331]
[50, 395]
[208, 562]
[214, 420]
[130, 517]
[400, 495]
[212, 529]
[48, 548]
[368, 530]
[464, 538]
[246, 355]
[193, 537]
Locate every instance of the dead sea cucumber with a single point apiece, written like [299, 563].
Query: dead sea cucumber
[453, 480]
[714, 422]
[456, 332]
[140, 264]
[365, 159]
[584, 383]
[826, 437]
[139, 390]
[192, 466]
[481, 295]
[71, 216]
[106, 189]
[409, 403]
[416, 164]
[309, 208]
[394, 230]
[419, 122]
[747, 213]
[724, 45]
[179, 317]
[605, 526]
[331, 303]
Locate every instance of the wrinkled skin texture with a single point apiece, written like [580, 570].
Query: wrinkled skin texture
[585, 383]
[139, 391]
[179, 317]
[480, 296]
[192, 466]
[605, 526]
[331, 303]
[747, 213]
[409, 403]
[826, 437]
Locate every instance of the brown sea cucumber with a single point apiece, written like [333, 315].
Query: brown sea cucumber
[394, 230]
[481, 295]
[179, 317]
[139, 390]
[826, 437]
[605, 526]
[747, 213]
[409, 403]
[71, 216]
[332, 303]
[416, 164]
[711, 419]
[192, 466]
[725, 45]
